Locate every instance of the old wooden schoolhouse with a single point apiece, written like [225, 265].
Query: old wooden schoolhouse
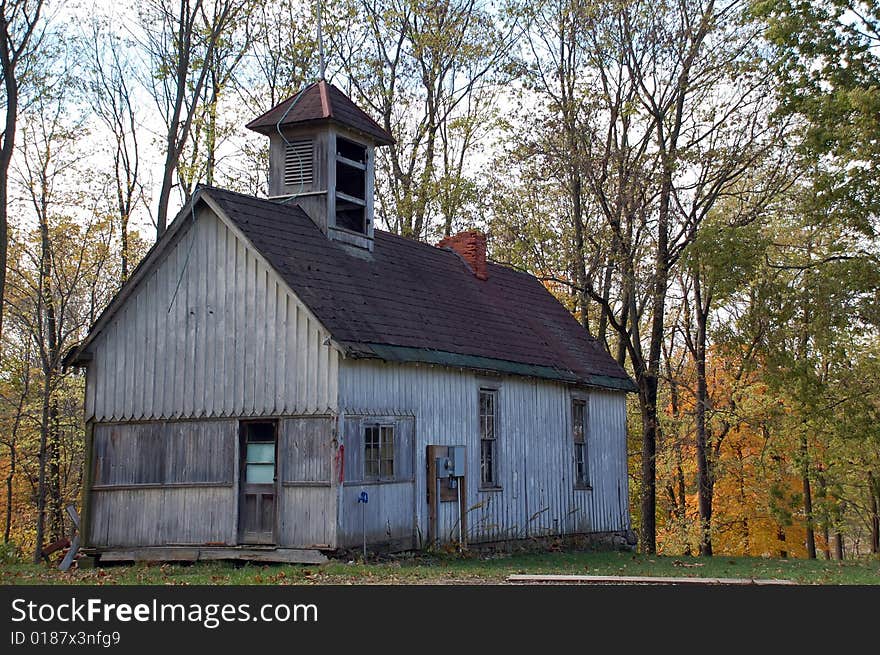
[275, 362]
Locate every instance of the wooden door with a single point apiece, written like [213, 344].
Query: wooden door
[257, 500]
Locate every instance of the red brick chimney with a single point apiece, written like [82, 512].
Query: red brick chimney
[471, 246]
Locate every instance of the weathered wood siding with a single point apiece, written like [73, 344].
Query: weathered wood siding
[389, 515]
[164, 483]
[307, 511]
[211, 331]
[535, 449]
[175, 482]
[164, 453]
[161, 516]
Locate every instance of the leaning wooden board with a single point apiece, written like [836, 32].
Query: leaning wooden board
[624, 579]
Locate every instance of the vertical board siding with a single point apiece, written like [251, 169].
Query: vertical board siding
[162, 516]
[535, 450]
[133, 464]
[304, 450]
[307, 517]
[307, 510]
[164, 453]
[174, 482]
[389, 514]
[607, 436]
[211, 331]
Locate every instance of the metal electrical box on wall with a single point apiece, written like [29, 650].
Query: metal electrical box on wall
[455, 455]
[452, 465]
[446, 482]
[445, 463]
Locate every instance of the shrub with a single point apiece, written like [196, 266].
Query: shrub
[10, 553]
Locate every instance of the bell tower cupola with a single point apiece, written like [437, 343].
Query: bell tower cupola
[322, 157]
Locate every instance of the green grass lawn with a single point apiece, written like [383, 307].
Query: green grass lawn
[452, 569]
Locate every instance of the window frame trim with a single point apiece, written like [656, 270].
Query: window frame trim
[492, 386]
[364, 425]
[579, 483]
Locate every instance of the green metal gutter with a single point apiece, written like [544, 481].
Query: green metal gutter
[443, 358]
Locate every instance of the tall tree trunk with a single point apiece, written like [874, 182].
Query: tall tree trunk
[11, 88]
[742, 501]
[704, 474]
[648, 397]
[602, 333]
[838, 546]
[41, 476]
[13, 445]
[621, 339]
[677, 493]
[781, 538]
[177, 131]
[628, 312]
[874, 491]
[649, 376]
[124, 247]
[682, 497]
[567, 76]
[11, 54]
[124, 205]
[165, 193]
[580, 266]
[10, 476]
[826, 536]
[56, 499]
[50, 359]
[808, 499]
[826, 519]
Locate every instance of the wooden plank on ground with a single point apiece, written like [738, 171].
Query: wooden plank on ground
[68, 559]
[192, 554]
[281, 555]
[56, 545]
[644, 580]
[150, 555]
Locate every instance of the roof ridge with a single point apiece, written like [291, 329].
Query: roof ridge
[384, 233]
[322, 101]
[326, 107]
[290, 98]
[417, 298]
[275, 203]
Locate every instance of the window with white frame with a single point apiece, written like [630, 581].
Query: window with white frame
[579, 435]
[488, 438]
[378, 452]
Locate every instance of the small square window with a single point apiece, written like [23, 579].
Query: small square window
[379, 452]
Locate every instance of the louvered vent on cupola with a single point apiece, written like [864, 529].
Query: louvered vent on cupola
[298, 164]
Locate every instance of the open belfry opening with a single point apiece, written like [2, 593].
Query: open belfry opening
[322, 158]
[351, 185]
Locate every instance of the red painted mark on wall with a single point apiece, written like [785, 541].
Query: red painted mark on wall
[340, 462]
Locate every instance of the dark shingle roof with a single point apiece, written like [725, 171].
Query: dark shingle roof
[320, 101]
[421, 299]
